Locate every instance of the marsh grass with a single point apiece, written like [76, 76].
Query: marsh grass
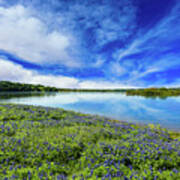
[48, 143]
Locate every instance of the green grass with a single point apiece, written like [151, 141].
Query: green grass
[48, 143]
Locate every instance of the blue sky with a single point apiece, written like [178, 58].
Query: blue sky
[91, 44]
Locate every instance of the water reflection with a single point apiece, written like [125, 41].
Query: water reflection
[9, 95]
[165, 112]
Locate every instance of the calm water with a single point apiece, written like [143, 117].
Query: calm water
[165, 112]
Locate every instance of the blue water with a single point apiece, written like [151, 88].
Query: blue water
[165, 112]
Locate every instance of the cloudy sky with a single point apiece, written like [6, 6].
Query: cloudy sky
[90, 44]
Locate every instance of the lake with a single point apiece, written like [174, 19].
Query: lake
[134, 109]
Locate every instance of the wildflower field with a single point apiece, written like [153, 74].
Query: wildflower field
[48, 143]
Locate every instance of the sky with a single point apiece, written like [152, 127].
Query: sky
[90, 43]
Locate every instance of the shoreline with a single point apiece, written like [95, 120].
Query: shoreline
[52, 143]
[171, 130]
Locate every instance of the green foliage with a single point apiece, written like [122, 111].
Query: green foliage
[12, 86]
[48, 143]
[155, 92]
[6, 86]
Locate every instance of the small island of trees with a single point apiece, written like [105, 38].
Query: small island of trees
[154, 92]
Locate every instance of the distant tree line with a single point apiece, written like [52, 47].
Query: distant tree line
[12, 86]
[20, 87]
[6, 86]
[155, 92]
[92, 90]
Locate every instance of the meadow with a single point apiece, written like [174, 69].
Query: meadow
[51, 143]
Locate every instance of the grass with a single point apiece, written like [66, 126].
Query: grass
[48, 143]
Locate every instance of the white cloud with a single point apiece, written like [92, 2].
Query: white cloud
[136, 74]
[10, 71]
[102, 85]
[117, 69]
[173, 84]
[104, 21]
[119, 28]
[99, 62]
[13, 72]
[26, 35]
[162, 32]
[153, 46]
[29, 38]
[133, 48]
